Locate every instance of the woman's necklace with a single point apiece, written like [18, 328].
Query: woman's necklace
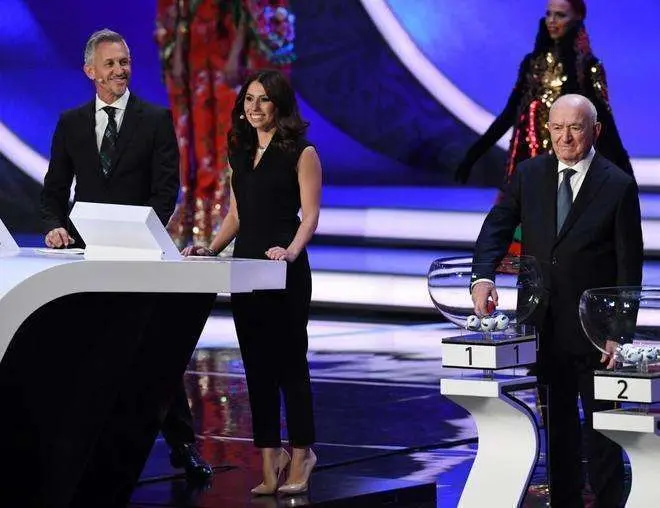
[262, 148]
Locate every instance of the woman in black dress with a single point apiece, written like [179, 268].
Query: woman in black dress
[276, 173]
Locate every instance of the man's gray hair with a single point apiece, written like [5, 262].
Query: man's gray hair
[105, 35]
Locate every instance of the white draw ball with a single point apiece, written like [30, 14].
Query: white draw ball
[472, 322]
[632, 355]
[501, 322]
[625, 347]
[488, 324]
[649, 353]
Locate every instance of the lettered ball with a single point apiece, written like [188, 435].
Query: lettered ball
[488, 324]
[632, 355]
[472, 323]
[501, 322]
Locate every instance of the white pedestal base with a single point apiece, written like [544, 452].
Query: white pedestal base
[637, 434]
[508, 439]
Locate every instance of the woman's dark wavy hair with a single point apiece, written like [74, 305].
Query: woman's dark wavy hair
[290, 127]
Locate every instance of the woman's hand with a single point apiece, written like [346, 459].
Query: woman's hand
[281, 254]
[196, 250]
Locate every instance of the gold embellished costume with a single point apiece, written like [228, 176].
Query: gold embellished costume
[553, 69]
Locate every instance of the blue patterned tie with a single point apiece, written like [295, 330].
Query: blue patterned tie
[109, 142]
[564, 198]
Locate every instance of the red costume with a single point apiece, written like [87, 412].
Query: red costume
[207, 47]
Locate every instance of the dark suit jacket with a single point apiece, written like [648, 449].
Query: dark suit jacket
[145, 170]
[600, 243]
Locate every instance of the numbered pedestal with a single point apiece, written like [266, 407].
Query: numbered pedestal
[474, 351]
[627, 385]
[508, 438]
[635, 430]
[637, 434]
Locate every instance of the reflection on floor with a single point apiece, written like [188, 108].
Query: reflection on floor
[379, 411]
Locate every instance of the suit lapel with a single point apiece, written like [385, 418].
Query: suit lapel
[592, 183]
[88, 130]
[129, 124]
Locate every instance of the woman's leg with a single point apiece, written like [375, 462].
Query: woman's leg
[295, 379]
[259, 354]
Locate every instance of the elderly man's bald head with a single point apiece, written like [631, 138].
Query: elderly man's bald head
[573, 100]
[574, 127]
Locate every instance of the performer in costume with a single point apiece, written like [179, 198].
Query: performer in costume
[207, 48]
[561, 63]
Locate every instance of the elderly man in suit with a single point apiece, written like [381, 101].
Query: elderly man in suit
[120, 150]
[580, 219]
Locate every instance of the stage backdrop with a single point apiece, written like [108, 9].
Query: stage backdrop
[375, 118]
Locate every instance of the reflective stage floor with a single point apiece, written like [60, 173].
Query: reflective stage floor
[381, 421]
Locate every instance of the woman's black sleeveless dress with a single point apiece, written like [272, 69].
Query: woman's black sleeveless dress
[272, 325]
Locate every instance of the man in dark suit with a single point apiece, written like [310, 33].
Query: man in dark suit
[120, 150]
[580, 219]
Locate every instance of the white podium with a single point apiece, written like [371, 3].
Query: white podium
[635, 429]
[92, 349]
[30, 278]
[508, 435]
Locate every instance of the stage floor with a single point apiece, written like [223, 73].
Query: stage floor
[380, 416]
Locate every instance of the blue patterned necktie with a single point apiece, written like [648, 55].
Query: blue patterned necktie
[564, 198]
[109, 142]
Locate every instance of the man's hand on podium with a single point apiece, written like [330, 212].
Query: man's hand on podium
[196, 250]
[58, 238]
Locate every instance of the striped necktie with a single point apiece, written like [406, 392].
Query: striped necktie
[109, 142]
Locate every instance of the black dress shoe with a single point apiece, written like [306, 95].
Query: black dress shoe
[187, 457]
